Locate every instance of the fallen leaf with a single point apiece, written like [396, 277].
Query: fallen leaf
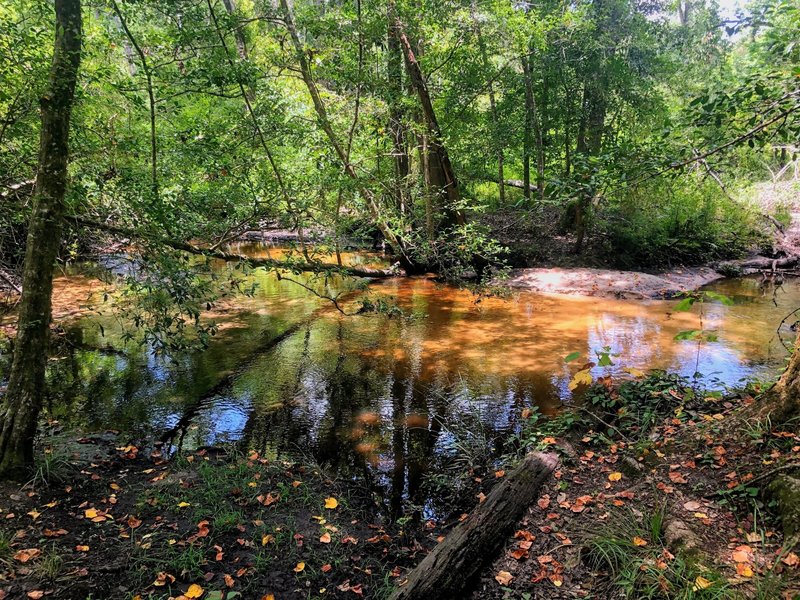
[331, 503]
[299, 568]
[24, 556]
[791, 559]
[744, 570]
[325, 538]
[503, 577]
[36, 594]
[616, 476]
[692, 506]
[701, 583]
[326, 568]
[183, 504]
[82, 548]
[229, 581]
[637, 541]
[194, 591]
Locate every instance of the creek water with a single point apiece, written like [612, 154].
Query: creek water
[386, 396]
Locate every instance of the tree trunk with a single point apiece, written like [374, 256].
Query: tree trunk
[394, 72]
[782, 402]
[449, 567]
[495, 126]
[23, 401]
[324, 122]
[443, 178]
[151, 99]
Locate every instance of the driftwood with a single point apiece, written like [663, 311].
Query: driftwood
[449, 567]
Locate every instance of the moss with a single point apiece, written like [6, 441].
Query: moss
[785, 490]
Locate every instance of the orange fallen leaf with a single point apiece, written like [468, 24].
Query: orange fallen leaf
[326, 568]
[637, 541]
[24, 556]
[744, 570]
[331, 503]
[616, 476]
[229, 581]
[82, 548]
[325, 538]
[194, 591]
[299, 568]
[791, 559]
[35, 594]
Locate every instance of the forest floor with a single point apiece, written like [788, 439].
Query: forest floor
[673, 511]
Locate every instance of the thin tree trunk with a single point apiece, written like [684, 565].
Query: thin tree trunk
[529, 126]
[23, 402]
[495, 128]
[151, 99]
[394, 70]
[327, 128]
[241, 44]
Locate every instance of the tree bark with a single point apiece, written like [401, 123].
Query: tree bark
[23, 402]
[449, 567]
[443, 177]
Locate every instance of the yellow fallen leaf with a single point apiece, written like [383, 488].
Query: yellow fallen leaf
[299, 568]
[637, 541]
[616, 476]
[267, 539]
[90, 513]
[331, 503]
[82, 548]
[183, 504]
[702, 583]
[583, 377]
[194, 591]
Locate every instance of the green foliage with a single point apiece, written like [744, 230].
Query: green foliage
[636, 406]
[630, 549]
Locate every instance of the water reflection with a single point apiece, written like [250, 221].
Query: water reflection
[374, 396]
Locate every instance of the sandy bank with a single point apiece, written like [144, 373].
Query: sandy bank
[611, 283]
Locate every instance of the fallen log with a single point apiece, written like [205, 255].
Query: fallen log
[451, 565]
[270, 263]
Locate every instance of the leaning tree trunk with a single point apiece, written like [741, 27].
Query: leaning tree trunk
[22, 404]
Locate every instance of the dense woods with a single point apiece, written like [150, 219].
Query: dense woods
[459, 139]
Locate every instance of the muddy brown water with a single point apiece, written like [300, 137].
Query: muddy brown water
[387, 397]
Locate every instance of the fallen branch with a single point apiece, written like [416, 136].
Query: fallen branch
[288, 265]
[445, 572]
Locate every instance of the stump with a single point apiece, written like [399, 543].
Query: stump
[448, 568]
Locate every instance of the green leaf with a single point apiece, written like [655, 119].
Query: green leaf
[719, 298]
[604, 359]
[685, 304]
[690, 334]
[572, 356]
